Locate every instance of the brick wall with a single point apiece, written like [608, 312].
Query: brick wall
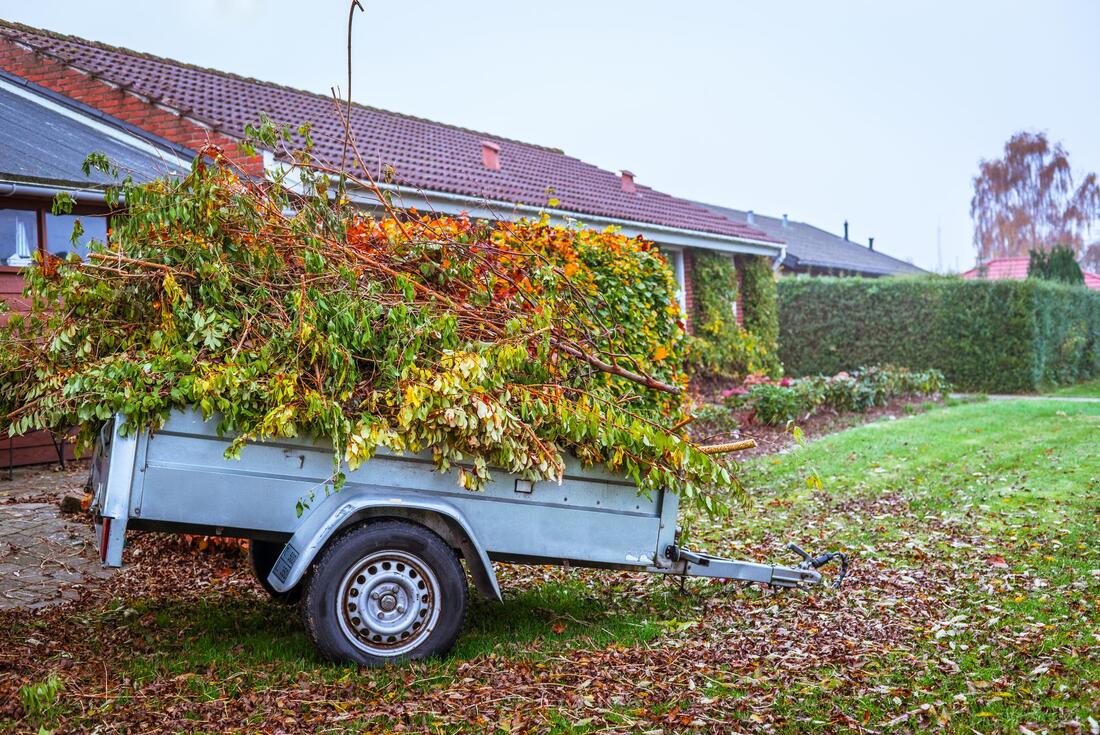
[689, 274]
[52, 74]
[37, 447]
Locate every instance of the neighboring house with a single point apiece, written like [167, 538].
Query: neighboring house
[813, 251]
[45, 140]
[1015, 269]
[429, 164]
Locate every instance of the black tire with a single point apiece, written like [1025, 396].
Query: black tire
[262, 556]
[385, 592]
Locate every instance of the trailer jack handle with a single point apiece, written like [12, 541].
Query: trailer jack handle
[814, 562]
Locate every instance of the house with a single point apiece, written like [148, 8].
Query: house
[46, 139]
[813, 251]
[1015, 269]
[70, 96]
[427, 164]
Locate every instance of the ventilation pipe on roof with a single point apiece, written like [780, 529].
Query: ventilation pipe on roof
[785, 223]
[750, 217]
[845, 229]
[627, 180]
[490, 155]
[870, 243]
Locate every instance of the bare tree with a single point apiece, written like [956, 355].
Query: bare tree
[1090, 260]
[1027, 200]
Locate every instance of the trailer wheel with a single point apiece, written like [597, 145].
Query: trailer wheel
[383, 592]
[262, 556]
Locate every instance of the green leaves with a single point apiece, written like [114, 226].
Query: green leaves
[62, 203]
[283, 316]
[720, 347]
[991, 336]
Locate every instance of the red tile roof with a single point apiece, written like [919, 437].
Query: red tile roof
[1000, 269]
[1015, 269]
[425, 155]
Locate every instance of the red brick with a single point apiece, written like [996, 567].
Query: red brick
[689, 301]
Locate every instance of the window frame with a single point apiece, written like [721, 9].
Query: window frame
[41, 209]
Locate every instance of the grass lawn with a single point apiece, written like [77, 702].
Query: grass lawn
[973, 605]
[1087, 389]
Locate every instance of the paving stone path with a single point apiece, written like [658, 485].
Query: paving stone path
[45, 557]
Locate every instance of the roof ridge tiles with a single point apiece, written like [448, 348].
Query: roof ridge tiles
[68, 38]
[425, 154]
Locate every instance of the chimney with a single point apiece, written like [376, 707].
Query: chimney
[871, 243]
[490, 155]
[845, 229]
[627, 180]
[785, 223]
[750, 217]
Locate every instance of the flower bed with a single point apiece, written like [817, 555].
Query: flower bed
[776, 402]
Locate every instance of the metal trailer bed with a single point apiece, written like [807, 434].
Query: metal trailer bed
[375, 566]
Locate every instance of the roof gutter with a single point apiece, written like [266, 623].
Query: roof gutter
[492, 209]
[11, 189]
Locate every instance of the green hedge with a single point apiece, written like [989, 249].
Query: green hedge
[993, 336]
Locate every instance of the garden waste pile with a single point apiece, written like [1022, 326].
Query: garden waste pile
[492, 345]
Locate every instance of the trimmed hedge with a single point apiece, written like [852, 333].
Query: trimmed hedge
[992, 336]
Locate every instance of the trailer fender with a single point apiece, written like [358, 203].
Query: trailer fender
[350, 506]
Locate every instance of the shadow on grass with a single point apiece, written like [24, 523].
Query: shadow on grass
[248, 633]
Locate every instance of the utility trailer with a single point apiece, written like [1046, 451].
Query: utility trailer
[375, 567]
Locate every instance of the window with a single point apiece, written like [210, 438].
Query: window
[27, 225]
[18, 236]
[59, 232]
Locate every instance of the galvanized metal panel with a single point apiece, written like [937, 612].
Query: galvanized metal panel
[592, 515]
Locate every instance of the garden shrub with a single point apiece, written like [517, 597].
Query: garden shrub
[990, 336]
[1057, 264]
[759, 301]
[720, 347]
[777, 403]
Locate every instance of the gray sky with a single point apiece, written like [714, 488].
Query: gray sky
[877, 112]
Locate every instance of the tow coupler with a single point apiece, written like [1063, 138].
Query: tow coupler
[690, 564]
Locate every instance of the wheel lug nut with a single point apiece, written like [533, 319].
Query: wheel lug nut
[375, 595]
[400, 608]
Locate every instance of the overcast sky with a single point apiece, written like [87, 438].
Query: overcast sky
[875, 112]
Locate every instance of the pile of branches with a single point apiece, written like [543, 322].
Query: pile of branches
[285, 310]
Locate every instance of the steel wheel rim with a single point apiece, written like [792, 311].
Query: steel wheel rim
[388, 603]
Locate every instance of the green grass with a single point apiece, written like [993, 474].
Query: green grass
[1089, 389]
[991, 507]
[1024, 477]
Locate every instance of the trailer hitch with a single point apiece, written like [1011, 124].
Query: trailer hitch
[684, 563]
[814, 562]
